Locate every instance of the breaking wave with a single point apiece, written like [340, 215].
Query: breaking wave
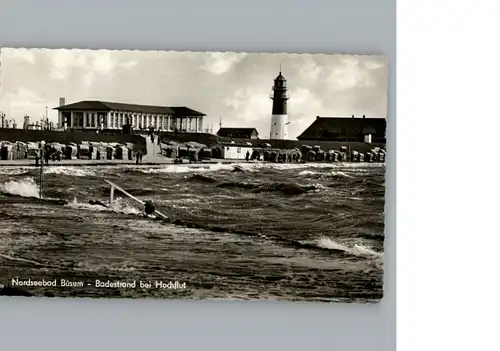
[24, 187]
[285, 188]
[119, 206]
[70, 171]
[356, 249]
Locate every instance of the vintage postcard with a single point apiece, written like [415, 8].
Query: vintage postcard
[192, 175]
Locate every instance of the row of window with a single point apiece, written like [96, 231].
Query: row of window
[117, 120]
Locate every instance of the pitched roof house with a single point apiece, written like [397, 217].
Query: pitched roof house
[345, 129]
[239, 133]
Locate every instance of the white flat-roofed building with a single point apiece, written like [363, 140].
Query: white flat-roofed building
[101, 115]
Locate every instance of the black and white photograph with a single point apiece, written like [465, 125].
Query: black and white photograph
[192, 175]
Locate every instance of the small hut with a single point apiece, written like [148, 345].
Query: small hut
[343, 156]
[20, 151]
[255, 154]
[311, 155]
[335, 156]
[354, 156]
[110, 151]
[72, 151]
[84, 150]
[170, 149]
[183, 150]
[205, 153]
[6, 151]
[305, 149]
[381, 156]
[370, 157]
[121, 152]
[102, 152]
[320, 155]
[94, 150]
[32, 149]
[266, 155]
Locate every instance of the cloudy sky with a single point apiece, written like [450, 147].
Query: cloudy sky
[233, 86]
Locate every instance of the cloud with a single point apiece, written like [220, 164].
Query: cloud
[93, 63]
[23, 55]
[248, 105]
[26, 100]
[128, 64]
[221, 62]
[65, 60]
[311, 70]
[303, 106]
[349, 74]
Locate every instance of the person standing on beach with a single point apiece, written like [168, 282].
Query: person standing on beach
[46, 155]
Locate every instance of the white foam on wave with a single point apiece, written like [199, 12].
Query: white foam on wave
[83, 171]
[119, 206]
[356, 249]
[249, 167]
[340, 173]
[306, 173]
[70, 171]
[318, 187]
[103, 267]
[194, 169]
[25, 187]
[20, 259]
[332, 173]
[14, 171]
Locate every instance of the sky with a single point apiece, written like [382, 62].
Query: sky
[233, 88]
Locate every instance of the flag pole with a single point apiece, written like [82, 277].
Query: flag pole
[42, 144]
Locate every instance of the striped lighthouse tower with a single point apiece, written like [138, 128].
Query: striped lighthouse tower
[279, 119]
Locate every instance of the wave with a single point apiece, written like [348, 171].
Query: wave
[202, 178]
[15, 171]
[25, 187]
[70, 171]
[92, 171]
[285, 188]
[103, 267]
[24, 260]
[119, 206]
[332, 173]
[355, 250]
[324, 244]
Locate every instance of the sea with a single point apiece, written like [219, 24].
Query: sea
[258, 231]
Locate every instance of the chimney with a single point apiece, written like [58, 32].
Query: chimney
[364, 116]
[62, 101]
[317, 117]
[352, 116]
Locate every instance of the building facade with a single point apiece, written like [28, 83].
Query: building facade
[101, 115]
[232, 151]
[345, 129]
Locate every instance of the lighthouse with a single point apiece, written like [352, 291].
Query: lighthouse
[279, 119]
